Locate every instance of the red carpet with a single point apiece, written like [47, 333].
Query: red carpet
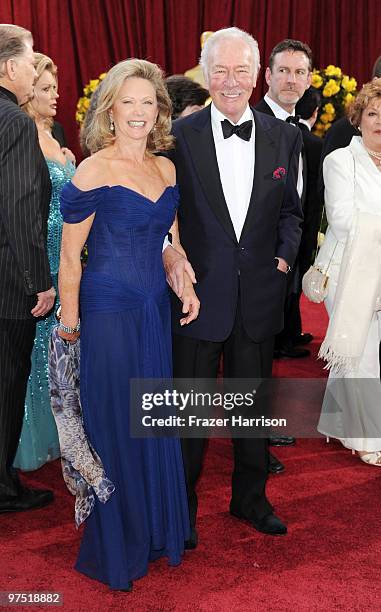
[330, 560]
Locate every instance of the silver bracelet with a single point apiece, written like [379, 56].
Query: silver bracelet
[69, 330]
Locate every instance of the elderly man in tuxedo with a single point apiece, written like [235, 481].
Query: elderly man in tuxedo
[239, 223]
[25, 283]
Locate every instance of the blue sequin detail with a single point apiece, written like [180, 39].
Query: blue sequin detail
[39, 439]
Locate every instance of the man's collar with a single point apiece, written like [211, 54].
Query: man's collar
[278, 111]
[217, 117]
[305, 123]
[9, 94]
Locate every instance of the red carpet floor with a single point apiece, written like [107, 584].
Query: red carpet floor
[330, 559]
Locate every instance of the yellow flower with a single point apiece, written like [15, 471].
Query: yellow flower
[324, 117]
[319, 129]
[93, 84]
[327, 126]
[316, 81]
[331, 88]
[319, 133]
[348, 99]
[327, 92]
[331, 70]
[84, 102]
[349, 84]
[329, 108]
[320, 239]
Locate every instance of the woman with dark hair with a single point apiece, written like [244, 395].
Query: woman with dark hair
[186, 95]
[123, 201]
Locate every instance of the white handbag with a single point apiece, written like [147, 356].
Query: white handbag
[315, 284]
[315, 280]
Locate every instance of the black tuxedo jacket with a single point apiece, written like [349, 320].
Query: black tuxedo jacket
[313, 146]
[25, 190]
[263, 107]
[338, 136]
[223, 265]
[312, 201]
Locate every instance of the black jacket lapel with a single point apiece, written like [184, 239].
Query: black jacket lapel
[199, 137]
[266, 152]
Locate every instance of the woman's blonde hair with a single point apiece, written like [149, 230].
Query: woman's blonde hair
[99, 134]
[369, 92]
[41, 63]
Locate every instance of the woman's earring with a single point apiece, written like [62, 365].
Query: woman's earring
[112, 126]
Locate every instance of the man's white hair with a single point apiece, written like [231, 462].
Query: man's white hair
[229, 34]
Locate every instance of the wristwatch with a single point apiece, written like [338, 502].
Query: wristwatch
[69, 330]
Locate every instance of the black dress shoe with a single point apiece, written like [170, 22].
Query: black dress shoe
[275, 466]
[290, 352]
[28, 499]
[269, 524]
[191, 544]
[303, 339]
[281, 440]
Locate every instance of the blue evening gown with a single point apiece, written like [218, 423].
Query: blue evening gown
[39, 440]
[126, 333]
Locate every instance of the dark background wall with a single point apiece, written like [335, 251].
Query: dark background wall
[86, 37]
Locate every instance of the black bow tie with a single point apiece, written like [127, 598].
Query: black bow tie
[243, 130]
[293, 119]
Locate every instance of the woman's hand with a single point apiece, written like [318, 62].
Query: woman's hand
[68, 337]
[68, 154]
[191, 303]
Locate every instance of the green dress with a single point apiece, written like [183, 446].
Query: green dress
[39, 439]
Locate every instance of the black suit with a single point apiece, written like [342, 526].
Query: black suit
[24, 268]
[312, 206]
[338, 136]
[313, 146]
[240, 290]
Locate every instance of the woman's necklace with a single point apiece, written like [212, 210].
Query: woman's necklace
[376, 155]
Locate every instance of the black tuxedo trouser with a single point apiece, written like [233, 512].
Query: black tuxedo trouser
[16, 344]
[242, 358]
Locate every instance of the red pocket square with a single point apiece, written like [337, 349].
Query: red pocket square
[279, 173]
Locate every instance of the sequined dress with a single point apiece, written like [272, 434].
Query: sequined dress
[39, 439]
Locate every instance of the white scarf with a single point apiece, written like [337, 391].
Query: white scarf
[357, 297]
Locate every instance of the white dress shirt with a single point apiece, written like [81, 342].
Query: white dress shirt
[305, 122]
[282, 114]
[235, 158]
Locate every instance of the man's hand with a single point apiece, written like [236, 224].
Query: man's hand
[282, 265]
[176, 265]
[45, 302]
[191, 303]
